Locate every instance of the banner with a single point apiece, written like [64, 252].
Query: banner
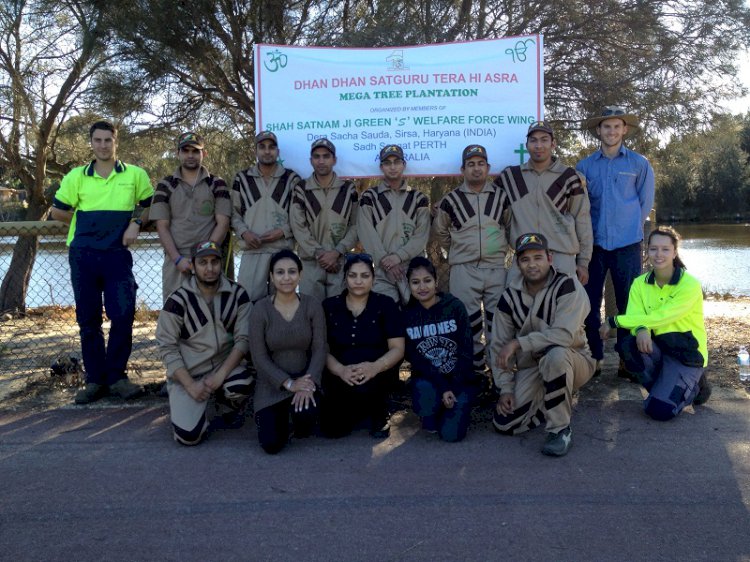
[431, 100]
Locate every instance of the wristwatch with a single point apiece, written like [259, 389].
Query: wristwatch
[137, 221]
[288, 384]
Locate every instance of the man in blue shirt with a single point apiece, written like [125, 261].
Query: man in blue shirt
[621, 191]
[98, 201]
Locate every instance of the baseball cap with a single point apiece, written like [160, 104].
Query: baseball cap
[266, 135]
[473, 150]
[190, 139]
[541, 126]
[323, 143]
[531, 241]
[391, 150]
[206, 248]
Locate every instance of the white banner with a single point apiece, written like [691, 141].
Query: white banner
[431, 100]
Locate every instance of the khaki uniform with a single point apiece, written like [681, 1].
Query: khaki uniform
[471, 226]
[393, 222]
[191, 212]
[554, 203]
[323, 219]
[199, 336]
[554, 358]
[260, 205]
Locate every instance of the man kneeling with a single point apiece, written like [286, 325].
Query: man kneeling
[203, 335]
[539, 323]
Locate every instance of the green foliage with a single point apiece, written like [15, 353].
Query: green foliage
[705, 175]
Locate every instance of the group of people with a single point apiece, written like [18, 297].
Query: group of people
[323, 330]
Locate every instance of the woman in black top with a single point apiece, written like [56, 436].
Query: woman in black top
[439, 347]
[365, 348]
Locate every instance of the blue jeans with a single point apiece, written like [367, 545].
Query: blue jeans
[451, 424]
[109, 273]
[625, 264]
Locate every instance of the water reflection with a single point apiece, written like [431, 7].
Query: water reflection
[718, 255]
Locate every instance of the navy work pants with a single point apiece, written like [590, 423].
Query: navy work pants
[624, 264]
[108, 274]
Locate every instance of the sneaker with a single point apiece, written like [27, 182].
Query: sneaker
[126, 389]
[598, 368]
[429, 424]
[90, 393]
[558, 444]
[704, 391]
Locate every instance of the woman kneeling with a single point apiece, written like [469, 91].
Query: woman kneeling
[439, 348]
[667, 348]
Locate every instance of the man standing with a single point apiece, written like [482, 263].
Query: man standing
[261, 197]
[189, 206]
[621, 190]
[548, 197]
[470, 225]
[203, 335]
[538, 327]
[98, 201]
[323, 219]
[393, 225]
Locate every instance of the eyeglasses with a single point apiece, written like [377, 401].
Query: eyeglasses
[361, 257]
[613, 110]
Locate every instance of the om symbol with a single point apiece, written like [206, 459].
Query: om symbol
[277, 60]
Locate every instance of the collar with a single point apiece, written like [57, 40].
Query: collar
[520, 285]
[202, 174]
[486, 188]
[120, 167]
[553, 167]
[277, 172]
[191, 284]
[676, 276]
[312, 182]
[383, 187]
[622, 151]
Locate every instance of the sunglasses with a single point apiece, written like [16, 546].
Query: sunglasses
[206, 246]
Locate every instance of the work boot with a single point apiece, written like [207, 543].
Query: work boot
[558, 444]
[126, 389]
[90, 393]
[704, 391]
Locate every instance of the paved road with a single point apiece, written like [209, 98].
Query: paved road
[107, 483]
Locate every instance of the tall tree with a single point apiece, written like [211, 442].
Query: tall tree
[48, 52]
[669, 61]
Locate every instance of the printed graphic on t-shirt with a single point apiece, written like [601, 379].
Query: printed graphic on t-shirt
[441, 352]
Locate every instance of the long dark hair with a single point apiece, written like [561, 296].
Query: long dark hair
[420, 262]
[671, 233]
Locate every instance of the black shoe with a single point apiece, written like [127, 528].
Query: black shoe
[126, 389]
[90, 393]
[704, 391]
[558, 444]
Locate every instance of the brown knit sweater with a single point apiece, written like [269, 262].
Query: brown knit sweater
[282, 349]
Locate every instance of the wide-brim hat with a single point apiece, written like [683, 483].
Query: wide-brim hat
[613, 112]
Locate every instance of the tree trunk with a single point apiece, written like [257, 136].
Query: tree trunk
[16, 281]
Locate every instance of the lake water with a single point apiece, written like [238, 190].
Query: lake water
[718, 255]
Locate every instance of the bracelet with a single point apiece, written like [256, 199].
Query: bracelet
[178, 260]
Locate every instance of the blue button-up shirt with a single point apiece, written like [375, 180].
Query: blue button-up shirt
[621, 190]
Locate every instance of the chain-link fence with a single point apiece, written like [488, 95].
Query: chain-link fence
[38, 328]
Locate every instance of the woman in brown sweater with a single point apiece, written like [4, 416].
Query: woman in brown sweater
[288, 347]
